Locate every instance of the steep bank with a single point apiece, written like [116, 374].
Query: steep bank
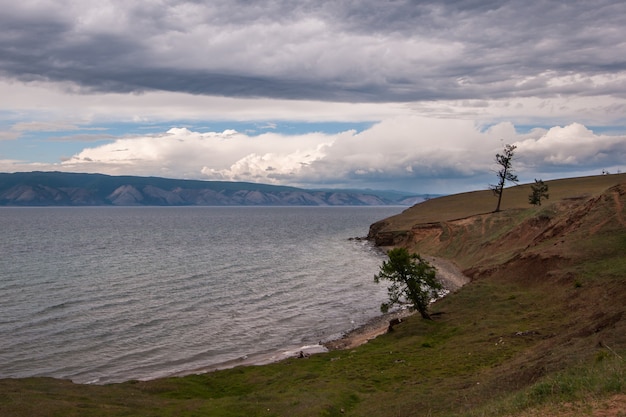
[569, 254]
[480, 242]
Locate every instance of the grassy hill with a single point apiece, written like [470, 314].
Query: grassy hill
[540, 330]
[478, 202]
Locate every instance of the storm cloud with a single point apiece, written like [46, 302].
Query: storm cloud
[321, 50]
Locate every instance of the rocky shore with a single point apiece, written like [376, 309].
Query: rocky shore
[370, 330]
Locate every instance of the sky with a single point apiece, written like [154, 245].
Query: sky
[402, 95]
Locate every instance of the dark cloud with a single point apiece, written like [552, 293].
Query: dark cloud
[341, 51]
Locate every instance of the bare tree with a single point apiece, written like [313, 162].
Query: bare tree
[505, 173]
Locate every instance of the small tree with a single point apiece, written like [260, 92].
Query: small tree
[539, 191]
[505, 173]
[412, 280]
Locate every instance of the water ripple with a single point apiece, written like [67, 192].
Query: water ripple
[102, 295]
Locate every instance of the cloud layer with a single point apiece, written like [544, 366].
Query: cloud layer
[321, 50]
[137, 88]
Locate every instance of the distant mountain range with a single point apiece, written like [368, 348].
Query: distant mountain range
[72, 189]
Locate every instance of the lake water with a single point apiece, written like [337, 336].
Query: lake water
[109, 294]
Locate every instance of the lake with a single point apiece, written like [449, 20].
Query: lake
[109, 294]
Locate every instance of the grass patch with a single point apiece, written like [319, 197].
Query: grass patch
[596, 379]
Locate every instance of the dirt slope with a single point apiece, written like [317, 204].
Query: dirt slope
[573, 250]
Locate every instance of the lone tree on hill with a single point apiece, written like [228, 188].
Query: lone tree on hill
[412, 280]
[539, 191]
[505, 161]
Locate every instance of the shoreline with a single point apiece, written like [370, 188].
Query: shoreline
[358, 336]
[448, 273]
[373, 328]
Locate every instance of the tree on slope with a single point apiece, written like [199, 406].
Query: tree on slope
[505, 173]
[412, 279]
[539, 191]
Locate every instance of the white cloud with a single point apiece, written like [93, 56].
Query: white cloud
[572, 146]
[414, 153]
[399, 148]
[268, 168]
[218, 155]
